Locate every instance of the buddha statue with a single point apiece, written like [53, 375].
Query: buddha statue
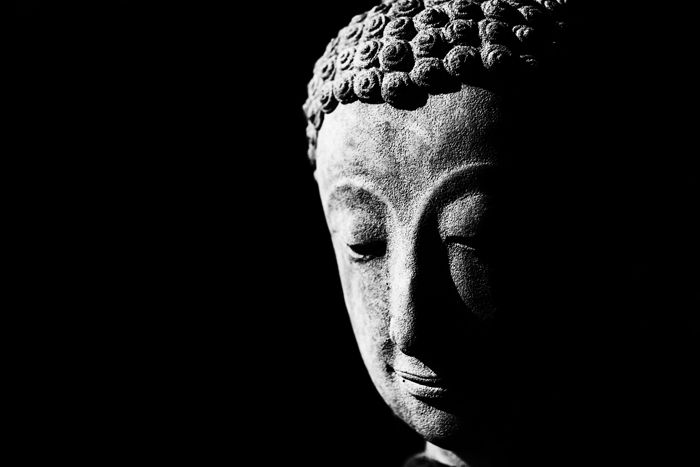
[432, 127]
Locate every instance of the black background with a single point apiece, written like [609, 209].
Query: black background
[195, 311]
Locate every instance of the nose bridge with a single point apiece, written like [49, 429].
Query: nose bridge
[404, 282]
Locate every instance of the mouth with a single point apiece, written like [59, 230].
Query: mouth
[425, 386]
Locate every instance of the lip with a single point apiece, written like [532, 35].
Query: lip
[422, 386]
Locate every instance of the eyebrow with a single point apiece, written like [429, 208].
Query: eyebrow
[474, 177]
[354, 195]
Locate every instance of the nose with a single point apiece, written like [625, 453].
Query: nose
[403, 329]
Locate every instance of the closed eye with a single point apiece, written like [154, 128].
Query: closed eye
[468, 243]
[368, 250]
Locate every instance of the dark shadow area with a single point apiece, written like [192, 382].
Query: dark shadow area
[195, 311]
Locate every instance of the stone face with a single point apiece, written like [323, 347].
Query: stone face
[487, 179]
[405, 195]
[411, 126]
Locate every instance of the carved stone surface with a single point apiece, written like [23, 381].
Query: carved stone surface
[400, 188]
[406, 156]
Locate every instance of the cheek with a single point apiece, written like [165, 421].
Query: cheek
[471, 277]
[365, 289]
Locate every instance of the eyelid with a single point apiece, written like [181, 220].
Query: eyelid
[468, 242]
[366, 251]
[360, 230]
[469, 206]
[460, 222]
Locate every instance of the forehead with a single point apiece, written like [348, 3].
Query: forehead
[405, 152]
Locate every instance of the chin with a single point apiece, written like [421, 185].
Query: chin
[440, 428]
[452, 422]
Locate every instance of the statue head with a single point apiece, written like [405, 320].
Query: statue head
[423, 118]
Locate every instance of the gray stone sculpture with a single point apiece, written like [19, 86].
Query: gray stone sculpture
[410, 120]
